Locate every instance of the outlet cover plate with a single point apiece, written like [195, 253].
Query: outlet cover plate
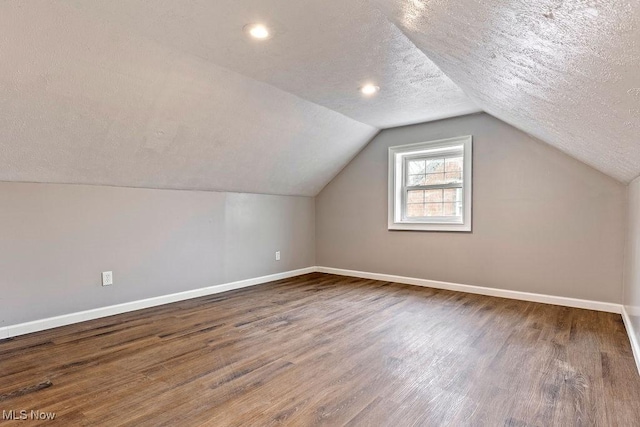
[107, 278]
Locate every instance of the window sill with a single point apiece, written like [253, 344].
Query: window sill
[413, 226]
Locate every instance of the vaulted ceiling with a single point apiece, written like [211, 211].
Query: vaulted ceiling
[170, 94]
[565, 71]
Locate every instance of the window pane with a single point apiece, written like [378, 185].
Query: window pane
[415, 210]
[416, 180]
[434, 165]
[453, 177]
[433, 209]
[453, 164]
[434, 179]
[433, 196]
[416, 167]
[441, 178]
[450, 209]
[415, 196]
[453, 195]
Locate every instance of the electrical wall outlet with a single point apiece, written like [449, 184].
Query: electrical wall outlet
[277, 255]
[107, 278]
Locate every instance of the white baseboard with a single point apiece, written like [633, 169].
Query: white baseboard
[67, 319]
[502, 293]
[633, 337]
[81, 316]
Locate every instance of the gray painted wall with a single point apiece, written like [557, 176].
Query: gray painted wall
[55, 240]
[542, 221]
[631, 298]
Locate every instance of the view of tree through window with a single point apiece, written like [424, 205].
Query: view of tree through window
[434, 187]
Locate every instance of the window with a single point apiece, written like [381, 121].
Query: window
[430, 186]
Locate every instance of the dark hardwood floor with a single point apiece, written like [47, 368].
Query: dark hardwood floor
[328, 350]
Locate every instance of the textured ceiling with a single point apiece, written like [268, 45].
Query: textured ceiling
[322, 51]
[81, 102]
[566, 71]
[168, 94]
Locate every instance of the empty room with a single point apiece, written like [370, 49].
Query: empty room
[320, 212]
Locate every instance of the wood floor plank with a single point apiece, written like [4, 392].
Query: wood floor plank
[321, 349]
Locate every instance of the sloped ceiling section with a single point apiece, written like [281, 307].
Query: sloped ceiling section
[170, 94]
[82, 103]
[322, 51]
[566, 71]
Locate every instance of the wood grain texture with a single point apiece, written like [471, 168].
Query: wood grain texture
[329, 350]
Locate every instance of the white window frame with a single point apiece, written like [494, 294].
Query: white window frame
[398, 156]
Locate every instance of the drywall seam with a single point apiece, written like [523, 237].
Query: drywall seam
[635, 345]
[480, 290]
[82, 316]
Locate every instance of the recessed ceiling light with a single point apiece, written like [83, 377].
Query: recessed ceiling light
[257, 31]
[369, 89]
